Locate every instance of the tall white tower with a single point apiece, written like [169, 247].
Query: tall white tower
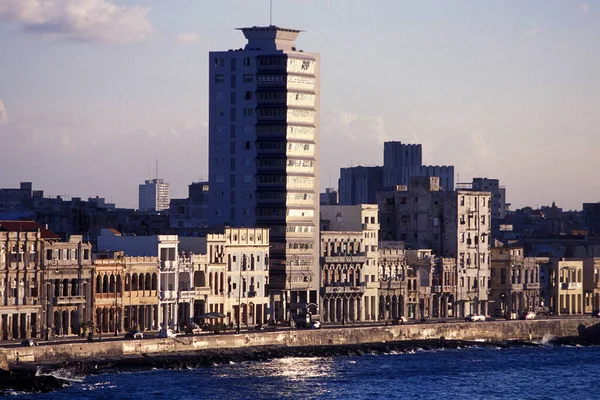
[263, 156]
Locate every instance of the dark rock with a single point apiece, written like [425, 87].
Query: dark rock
[27, 381]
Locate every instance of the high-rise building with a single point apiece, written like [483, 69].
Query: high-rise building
[359, 185]
[154, 195]
[263, 156]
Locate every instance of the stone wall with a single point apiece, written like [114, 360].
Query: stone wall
[492, 331]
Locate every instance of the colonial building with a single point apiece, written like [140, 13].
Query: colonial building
[565, 286]
[349, 262]
[514, 281]
[69, 280]
[452, 224]
[591, 283]
[23, 298]
[443, 287]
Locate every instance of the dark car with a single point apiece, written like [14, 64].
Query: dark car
[596, 314]
[28, 343]
[134, 334]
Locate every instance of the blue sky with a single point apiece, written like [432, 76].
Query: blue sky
[94, 91]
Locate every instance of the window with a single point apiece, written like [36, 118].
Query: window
[247, 78]
[247, 95]
[219, 62]
[247, 112]
[219, 78]
[246, 62]
[220, 113]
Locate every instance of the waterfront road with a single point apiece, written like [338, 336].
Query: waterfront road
[154, 335]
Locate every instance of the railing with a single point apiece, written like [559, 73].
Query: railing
[531, 285]
[344, 289]
[516, 286]
[436, 289]
[345, 259]
[372, 285]
[370, 227]
[571, 285]
[167, 294]
[168, 265]
[64, 300]
[187, 294]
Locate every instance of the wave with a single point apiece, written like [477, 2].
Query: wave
[61, 373]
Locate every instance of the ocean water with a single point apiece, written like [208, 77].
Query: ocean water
[543, 372]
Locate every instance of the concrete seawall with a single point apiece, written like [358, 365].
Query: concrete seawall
[492, 331]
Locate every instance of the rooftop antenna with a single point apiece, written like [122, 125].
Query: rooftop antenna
[270, 12]
[156, 167]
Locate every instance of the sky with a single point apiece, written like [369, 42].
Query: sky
[94, 92]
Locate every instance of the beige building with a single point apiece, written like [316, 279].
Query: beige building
[349, 262]
[443, 287]
[565, 286]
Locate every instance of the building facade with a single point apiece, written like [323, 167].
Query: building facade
[349, 262]
[359, 185]
[263, 155]
[565, 286]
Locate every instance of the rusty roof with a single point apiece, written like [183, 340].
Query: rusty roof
[27, 226]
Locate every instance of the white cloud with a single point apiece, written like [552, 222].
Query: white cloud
[3, 114]
[87, 20]
[584, 8]
[532, 31]
[187, 37]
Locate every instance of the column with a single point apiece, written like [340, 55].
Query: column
[361, 314]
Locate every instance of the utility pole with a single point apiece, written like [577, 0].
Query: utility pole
[240, 294]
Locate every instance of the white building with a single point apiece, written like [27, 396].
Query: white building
[263, 155]
[154, 195]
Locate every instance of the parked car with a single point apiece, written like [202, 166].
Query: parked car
[166, 333]
[192, 329]
[134, 334]
[528, 315]
[315, 325]
[475, 318]
[400, 321]
[596, 314]
[28, 343]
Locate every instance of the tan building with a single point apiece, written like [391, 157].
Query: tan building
[443, 287]
[565, 286]
[349, 262]
[126, 293]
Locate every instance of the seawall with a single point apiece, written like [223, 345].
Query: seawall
[467, 331]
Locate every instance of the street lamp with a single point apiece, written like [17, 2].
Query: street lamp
[240, 294]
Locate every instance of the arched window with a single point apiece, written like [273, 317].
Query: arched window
[105, 284]
[74, 287]
[65, 287]
[119, 284]
[112, 283]
[98, 284]
[127, 283]
[154, 282]
[210, 280]
[148, 281]
[141, 282]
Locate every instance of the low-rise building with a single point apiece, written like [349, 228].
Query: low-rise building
[565, 286]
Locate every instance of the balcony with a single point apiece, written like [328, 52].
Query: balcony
[168, 265]
[436, 289]
[370, 227]
[187, 294]
[516, 286]
[532, 286]
[203, 290]
[345, 259]
[68, 300]
[164, 295]
[252, 293]
[571, 285]
[344, 289]
[372, 285]
[392, 285]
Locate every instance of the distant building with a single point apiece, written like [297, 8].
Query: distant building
[565, 286]
[401, 162]
[154, 195]
[359, 185]
[591, 214]
[329, 197]
[193, 211]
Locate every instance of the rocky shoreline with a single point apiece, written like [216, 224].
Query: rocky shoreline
[39, 378]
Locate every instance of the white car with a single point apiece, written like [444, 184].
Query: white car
[315, 325]
[166, 333]
[529, 315]
[475, 318]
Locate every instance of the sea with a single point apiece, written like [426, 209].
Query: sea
[541, 372]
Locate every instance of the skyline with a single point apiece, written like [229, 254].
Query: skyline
[477, 85]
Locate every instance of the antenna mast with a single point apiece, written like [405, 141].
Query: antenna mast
[156, 167]
[270, 12]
